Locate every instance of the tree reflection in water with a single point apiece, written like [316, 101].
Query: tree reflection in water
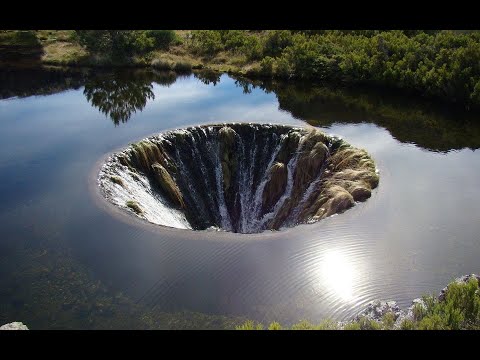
[430, 125]
[208, 77]
[119, 94]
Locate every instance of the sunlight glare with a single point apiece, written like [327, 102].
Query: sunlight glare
[339, 274]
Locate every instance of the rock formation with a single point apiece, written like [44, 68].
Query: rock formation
[243, 178]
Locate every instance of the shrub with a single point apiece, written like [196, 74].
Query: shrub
[163, 39]
[276, 41]
[418, 312]
[249, 325]
[303, 325]
[206, 42]
[233, 40]
[432, 322]
[352, 326]
[388, 321]
[266, 66]
[114, 43]
[124, 43]
[252, 48]
[459, 310]
[407, 324]
[282, 68]
[367, 324]
[275, 326]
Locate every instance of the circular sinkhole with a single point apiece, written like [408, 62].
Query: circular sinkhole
[244, 178]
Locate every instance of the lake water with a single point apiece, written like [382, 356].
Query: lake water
[66, 262]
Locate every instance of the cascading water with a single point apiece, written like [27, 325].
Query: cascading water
[243, 178]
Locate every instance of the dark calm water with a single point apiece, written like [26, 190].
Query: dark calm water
[66, 262]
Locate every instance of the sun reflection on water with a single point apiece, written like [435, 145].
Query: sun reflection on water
[339, 274]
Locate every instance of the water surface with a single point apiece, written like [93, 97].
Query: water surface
[65, 262]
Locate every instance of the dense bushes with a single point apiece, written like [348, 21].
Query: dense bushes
[444, 64]
[206, 42]
[120, 44]
[459, 310]
[210, 42]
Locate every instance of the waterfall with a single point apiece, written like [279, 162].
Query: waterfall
[221, 176]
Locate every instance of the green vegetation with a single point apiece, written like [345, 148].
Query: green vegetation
[121, 44]
[18, 38]
[459, 310]
[441, 64]
[252, 325]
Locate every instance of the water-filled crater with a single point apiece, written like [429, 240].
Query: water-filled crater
[244, 178]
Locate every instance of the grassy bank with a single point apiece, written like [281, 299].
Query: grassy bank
[439, 64]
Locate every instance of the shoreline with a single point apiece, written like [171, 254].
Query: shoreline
[376, 311]
[239, 74]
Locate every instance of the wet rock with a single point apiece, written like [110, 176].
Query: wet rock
[227, 136]
[376, 310]
[335, 200]
[14, 326]
[168, 184]
[275, 186]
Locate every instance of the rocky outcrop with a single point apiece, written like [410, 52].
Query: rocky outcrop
[376, 310]
[14, 326]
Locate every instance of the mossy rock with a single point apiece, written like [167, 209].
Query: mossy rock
[339, 201]
[168, 185]
[117, 180]
[134, 206]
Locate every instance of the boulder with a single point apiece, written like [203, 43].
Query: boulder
[17, 325]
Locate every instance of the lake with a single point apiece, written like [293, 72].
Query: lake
[67, 262]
